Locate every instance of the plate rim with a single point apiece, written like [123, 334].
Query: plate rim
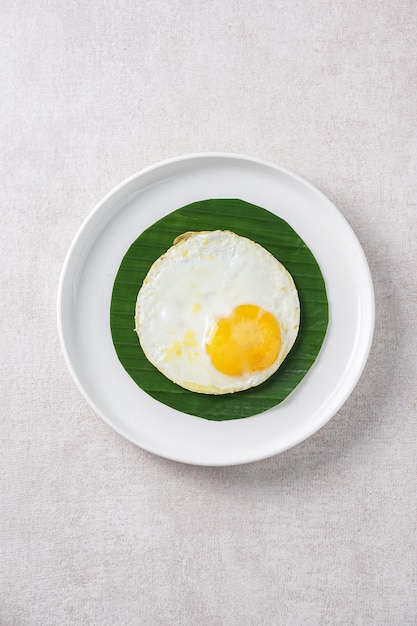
[365, 349]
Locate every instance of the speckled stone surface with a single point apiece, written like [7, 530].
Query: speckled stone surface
[96, 531]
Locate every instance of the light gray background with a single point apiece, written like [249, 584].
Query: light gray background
[96, 531]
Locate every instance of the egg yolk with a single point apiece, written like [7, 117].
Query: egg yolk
[247, 341]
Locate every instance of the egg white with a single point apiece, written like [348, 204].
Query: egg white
[200, 279]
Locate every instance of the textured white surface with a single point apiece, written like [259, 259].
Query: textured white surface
[96, 531]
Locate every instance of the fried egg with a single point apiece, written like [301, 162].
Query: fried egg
[217, 313]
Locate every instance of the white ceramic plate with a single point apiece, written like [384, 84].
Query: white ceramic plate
[86, 286]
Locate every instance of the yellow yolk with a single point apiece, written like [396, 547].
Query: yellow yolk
[247, 341]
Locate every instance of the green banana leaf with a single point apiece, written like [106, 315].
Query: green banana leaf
[272, 233]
